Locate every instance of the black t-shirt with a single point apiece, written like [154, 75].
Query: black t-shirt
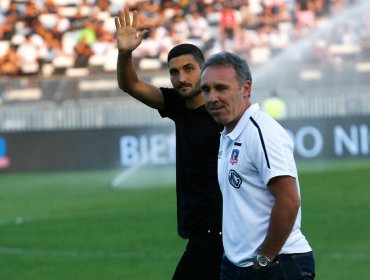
[199, 200]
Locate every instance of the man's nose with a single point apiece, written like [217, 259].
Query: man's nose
[182, 77]
[212, 95]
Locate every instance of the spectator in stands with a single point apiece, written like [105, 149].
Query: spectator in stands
[198, 25]
[250, 14]
[103, 4]
[269, 17]
[255, 17]
[150, 46]
[197, 135]
[104, 42]
[322, 8]
[78, 20]
[53, 46]
[9, 63]
[42, 50]
[83, 52]
[28, 57]
[87, 33]
[305, 13]
[243, 41]
[49, 7]
[227, 25]
[31, 13]
[278, 40]
[150, 14]
[167, 43]
[181, 28]
[63, 24]
[11, 17]
[350, 36]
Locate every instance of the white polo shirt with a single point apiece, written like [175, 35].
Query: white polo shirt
[257, 150]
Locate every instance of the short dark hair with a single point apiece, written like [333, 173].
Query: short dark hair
[241, 67]
[183, 49]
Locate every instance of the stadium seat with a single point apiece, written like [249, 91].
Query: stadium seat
[69, 41]
[150, 64]
[48, 20]
[61, 63]
[110, 63]
[68, 12]
[17, 39]
[213, 18]
[161, 81]
[109, 24]
[27, 94]
[96, 63]
[84, 10]
[363, 67]
[347, 52]
[260, 55]
[103, 15]
[310, 75]
[344, 49]
[47, 69]
[197, 42]
[77, 72]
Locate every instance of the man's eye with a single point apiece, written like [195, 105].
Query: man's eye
[221, 88]
[204, 89]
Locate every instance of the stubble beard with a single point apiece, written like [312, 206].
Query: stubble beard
[193, 93]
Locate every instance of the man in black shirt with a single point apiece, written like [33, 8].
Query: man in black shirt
[199, 201]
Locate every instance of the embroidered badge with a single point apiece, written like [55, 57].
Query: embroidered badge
[234, 156]
[234, 179]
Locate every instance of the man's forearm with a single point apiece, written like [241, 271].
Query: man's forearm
[281, 224]
[126, 73]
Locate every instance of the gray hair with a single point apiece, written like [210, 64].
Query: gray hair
[229, 59]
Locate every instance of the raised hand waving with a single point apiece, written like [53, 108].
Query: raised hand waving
[128, 37]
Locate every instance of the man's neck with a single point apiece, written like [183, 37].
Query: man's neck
[194, 102]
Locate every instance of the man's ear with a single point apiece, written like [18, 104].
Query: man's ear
[247, 88]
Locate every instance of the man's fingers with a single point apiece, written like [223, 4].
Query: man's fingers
[117, 22]
[142, 33]
[134, 19]
[123, 19]
[127, 17]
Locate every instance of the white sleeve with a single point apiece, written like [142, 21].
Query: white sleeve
[272, 151]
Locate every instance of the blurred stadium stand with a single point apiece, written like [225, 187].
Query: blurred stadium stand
[319, 68]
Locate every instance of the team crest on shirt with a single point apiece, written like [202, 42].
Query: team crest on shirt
[234, 156]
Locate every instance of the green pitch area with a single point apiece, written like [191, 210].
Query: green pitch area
[74, 226]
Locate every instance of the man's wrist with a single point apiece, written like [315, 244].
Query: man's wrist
[124, 53]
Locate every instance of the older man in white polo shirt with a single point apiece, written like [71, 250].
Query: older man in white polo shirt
[258, 179]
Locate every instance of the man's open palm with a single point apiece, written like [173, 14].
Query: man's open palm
[127, 37]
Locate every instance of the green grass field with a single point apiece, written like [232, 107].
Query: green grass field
[74, 226]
